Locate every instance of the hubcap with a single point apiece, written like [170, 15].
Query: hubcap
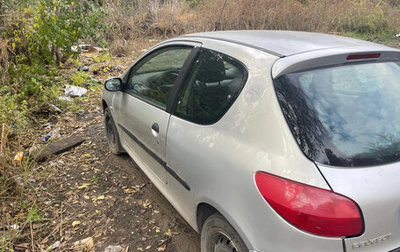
[223, 243]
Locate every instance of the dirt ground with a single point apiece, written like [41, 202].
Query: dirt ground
[95, 194]
[90, 199]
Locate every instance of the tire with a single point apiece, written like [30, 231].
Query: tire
[113, 140]
[217, 235]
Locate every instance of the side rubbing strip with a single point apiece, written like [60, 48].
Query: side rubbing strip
[156, 157]
[135, 139]
[176, 176]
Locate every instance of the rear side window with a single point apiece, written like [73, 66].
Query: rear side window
[344, 115]
[212, 85]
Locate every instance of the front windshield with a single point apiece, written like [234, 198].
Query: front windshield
[345, 115]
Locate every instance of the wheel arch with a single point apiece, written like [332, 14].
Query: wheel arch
[204, 210]
[104, 104]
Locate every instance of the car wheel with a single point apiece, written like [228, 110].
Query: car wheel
[112, 134]
[217, 235]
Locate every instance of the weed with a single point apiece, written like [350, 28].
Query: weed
[79, 78]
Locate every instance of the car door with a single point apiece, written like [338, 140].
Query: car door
[143, 117]
[210, 87]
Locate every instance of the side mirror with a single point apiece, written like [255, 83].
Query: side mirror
[113, 84]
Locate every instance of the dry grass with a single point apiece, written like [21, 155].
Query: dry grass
[130, 20]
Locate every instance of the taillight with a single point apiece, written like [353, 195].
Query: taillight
[363, 56]
[312, 209]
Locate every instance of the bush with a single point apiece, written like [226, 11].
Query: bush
[131, 19]
[363, 17]
[39, 39]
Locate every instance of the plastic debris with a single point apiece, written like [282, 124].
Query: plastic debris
[83, 48]
[56, 109]
[18, 157]
[74, 91]
[14, 227]
[398, 35]
[64, 98]
[54, 133]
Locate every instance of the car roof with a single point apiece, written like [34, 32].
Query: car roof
[286, 43]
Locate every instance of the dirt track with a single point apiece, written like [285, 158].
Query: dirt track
[93, 193]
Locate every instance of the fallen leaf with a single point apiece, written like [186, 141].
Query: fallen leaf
[161, 248]
[168, 233]
[146, 204]
[75, 223]
[128, 190]
[148, 247]
[84, 244]
[84, 185]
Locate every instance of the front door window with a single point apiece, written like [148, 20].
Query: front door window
[152, 78]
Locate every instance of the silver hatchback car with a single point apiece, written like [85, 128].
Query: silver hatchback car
[268, 140]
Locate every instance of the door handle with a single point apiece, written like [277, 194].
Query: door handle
[155, 127]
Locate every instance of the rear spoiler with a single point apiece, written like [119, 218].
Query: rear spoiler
[332, 56]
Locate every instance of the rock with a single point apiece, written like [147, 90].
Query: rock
[58, 163]
[56, 245]
[94, 49]
[83, 68]
[120, 55]
[112, 248]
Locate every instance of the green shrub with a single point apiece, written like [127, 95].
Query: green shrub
[78, 78]
[39, 39]
[42, 36]
[364, 18]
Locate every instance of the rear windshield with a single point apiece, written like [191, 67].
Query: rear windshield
[345, 115]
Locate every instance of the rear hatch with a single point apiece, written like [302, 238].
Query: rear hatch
[344, 113]
[376, 190]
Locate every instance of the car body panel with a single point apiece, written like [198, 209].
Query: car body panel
[135, 129]
[216, 164]
[284, 43]
[234, 147]
[332, 56]
[376, 190]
